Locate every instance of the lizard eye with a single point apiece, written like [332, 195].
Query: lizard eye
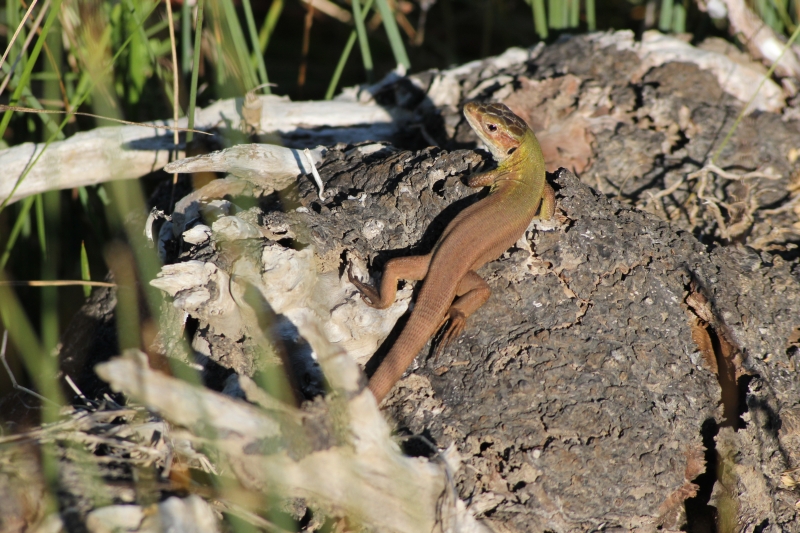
[491, 127]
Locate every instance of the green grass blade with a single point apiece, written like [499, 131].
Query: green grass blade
[38, 364]
[86, 85]
[390, 25]
[53, 86]
[122, 263]
[103, 195]
[274, 13]
[235, 29]
[86, 275]
[15, 320]
[13, 73]
[767, 76]
[780, 7]
[574, 13]
[251, 28]
[186, 38]
[198, 34]
[139, 68]
[665, 16]
[554, 13]
[22, 217]
[759, 6]
[679, 18]
[591, 20]
[539, 18]
[153, 30]
[769, 15]
[19, 36]
[39, 204]
[14, 20]
[51, 202]
[337, 73]
[94, 220]
[26, 74]
[363, 43]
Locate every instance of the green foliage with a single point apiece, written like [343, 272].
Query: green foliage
[85, 270]
[363, 43]
[29, 65]
[365, 52]
[195, 68]
[274, 13]
[393, 33]
[259, 58]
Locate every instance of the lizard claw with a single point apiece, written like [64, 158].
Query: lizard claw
[368, 294]
[458, 322]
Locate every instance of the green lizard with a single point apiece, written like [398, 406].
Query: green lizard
[479, 234]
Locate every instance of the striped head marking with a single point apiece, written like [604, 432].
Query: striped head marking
[501, 130]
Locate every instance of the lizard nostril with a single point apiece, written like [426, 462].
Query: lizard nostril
[491, 127]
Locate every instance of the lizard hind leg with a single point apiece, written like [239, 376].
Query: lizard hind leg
[413, 267]
[472, 292]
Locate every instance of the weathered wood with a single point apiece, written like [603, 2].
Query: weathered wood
[129, 152]
[759, 38]
[359, 474]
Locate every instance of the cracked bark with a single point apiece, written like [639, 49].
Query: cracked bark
[627, 373]
[582, 392]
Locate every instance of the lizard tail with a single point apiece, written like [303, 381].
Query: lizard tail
[414, 336]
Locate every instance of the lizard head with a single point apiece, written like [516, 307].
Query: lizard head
[497, 126]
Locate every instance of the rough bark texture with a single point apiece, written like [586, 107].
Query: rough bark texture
[583, 392]
[590, 387]
[636, 365]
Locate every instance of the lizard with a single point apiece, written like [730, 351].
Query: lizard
[477, 235]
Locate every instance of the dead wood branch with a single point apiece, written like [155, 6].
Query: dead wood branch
[128, 152]
[366, 477]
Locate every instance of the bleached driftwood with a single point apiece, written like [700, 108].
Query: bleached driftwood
[361, 474]
[173, 514]
[759, 39]
[289, 281]
[128, 152]
[740, 81]
[252, 161]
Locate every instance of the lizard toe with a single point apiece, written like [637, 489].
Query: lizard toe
[454, 330]
[368, 294]
[457, 323]
[352, 277]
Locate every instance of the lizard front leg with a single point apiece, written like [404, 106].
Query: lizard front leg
[483, 179]
[547, 207]
[413, 267]
[472, 292]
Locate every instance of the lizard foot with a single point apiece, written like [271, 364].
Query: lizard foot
[368, 294]
[457, 322]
